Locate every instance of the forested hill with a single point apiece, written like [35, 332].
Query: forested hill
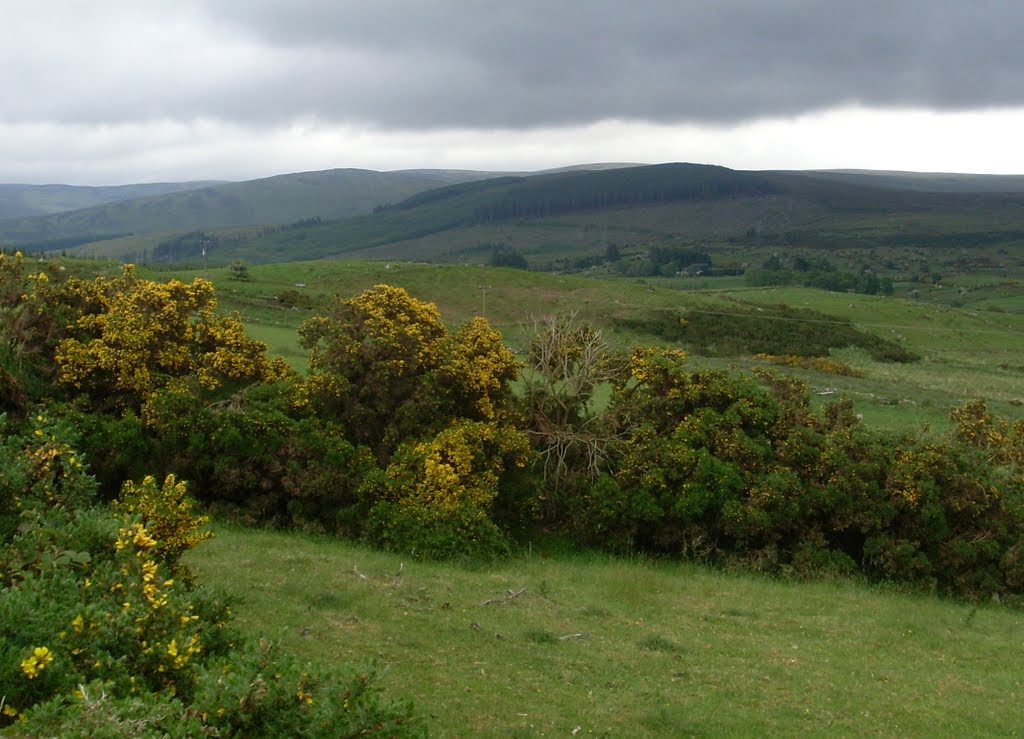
[330, 194]
[662, 203]
[540, 196]
[568, 192]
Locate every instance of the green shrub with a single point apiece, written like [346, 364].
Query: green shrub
[436, 496]
[429, 533]
[98, 639]
[714, 464]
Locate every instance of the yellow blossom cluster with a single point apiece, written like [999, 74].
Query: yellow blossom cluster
[134, 535]
[644, 362]
[460, 466]
[406, 335]
[168, 514]
[36, 662]
[132, 335]
[482, 367]
[1002, 440]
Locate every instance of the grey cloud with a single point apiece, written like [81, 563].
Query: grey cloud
[464, 63]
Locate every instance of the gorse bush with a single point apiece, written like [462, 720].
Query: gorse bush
[166, 511]
[718, 466]
[408, 434]
[99, 637]
[436, 497]
[132, 336]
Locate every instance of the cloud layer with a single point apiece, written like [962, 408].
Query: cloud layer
[417, 66]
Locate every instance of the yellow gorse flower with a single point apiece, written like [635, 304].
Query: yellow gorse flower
[36, 662]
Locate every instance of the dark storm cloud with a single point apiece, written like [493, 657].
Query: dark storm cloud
[412, 64]
[481, 64]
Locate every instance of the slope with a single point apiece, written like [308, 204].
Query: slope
[29, 201]
[584, 210]
[334, 193]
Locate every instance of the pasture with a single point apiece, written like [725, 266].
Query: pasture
[556, 644]
[966, 352]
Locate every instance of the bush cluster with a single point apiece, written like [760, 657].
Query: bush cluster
[407, 433]
[720, 466]
[745, 329]
[102, 632]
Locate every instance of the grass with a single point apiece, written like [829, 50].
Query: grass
[597, 646]
[966, 352]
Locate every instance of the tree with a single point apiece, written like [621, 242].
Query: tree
[566, 361]
[239, 270]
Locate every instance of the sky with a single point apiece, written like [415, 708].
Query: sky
[125, 91]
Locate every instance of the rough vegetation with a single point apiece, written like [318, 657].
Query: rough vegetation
[409, 434]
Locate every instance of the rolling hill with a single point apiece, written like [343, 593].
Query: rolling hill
[552, 219]
[330, 194]
[924, 181]
[565, 215]
[29, 201]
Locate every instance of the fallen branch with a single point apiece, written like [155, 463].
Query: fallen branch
[510, 595]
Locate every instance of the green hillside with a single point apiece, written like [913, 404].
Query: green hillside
[596, 646]
[28, 201]
[557, 219]
[335, 193]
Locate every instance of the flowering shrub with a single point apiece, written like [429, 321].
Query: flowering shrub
[131, 336]
[166, 511]
[39, 472]
[715, 465]
[32, 320]
[437, 495]
[384, 366]
[476, 372]
[368, 362]
[99, 638]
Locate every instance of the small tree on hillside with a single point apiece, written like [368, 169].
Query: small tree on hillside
[239, 270]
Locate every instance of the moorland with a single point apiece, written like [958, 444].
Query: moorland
[645, 450]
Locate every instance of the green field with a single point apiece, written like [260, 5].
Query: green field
[608, 647]
[965, 352]
[558, 640]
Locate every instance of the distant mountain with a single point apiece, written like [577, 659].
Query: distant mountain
[574, 214]
[26, 201]
[330, 194]
[923, 181]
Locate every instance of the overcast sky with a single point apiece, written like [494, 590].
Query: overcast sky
[120, 91]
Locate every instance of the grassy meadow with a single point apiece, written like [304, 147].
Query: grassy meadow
[553, 641]
[966, 352]
[583, 645]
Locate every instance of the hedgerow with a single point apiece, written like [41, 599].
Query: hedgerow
[408, 434]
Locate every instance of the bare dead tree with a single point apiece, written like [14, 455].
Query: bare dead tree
[566, 361]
